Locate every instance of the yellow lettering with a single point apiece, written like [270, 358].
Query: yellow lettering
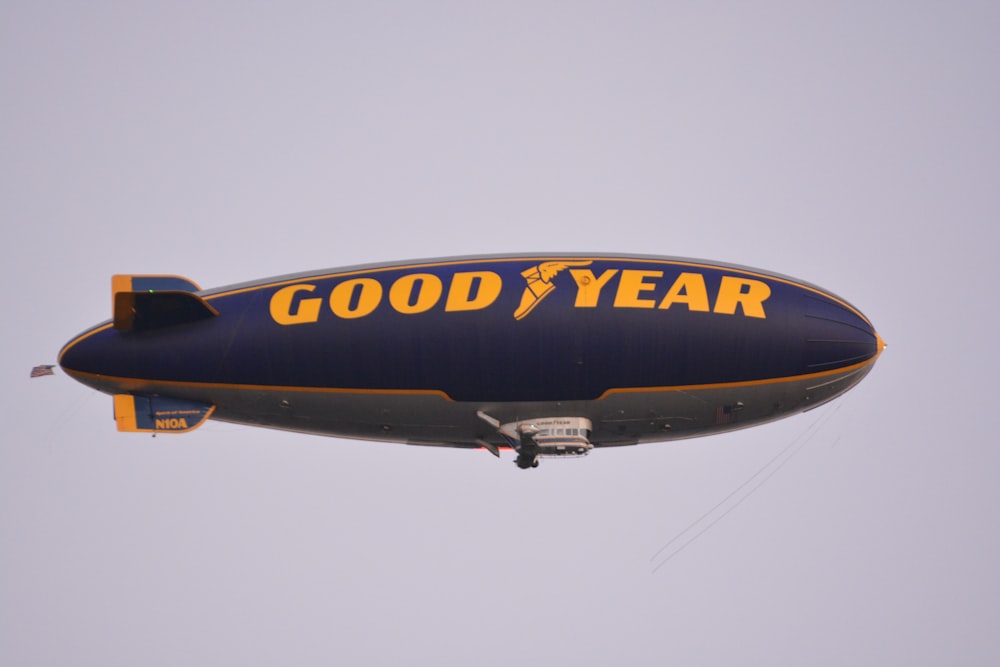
[487, 284]
[631, 285]
[307, 310]
[171, 424]
[750, 294]
[427, 294]
[588, 287]
[689, 288]
[355, 298]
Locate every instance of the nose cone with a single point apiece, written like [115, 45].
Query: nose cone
[837, 336]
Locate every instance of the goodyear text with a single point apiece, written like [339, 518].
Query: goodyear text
[420, 292]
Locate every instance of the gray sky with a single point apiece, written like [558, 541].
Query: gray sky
[854, 146]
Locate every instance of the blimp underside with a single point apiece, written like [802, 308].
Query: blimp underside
[549, 356]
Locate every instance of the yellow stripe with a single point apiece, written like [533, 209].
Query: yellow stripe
[745, 383]
[136, 384]
[442, 394]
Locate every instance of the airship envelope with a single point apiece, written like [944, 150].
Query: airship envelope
[549, 355]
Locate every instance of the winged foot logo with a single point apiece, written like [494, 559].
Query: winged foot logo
[539, 279]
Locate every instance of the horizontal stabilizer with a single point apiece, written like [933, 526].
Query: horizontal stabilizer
[159, 414]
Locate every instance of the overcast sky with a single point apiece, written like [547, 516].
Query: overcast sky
[853, 146]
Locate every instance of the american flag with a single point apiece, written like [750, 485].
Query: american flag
[44, 369]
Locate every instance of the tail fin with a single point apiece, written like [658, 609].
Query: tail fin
[159, 414]
[129, 283]
[142, 303]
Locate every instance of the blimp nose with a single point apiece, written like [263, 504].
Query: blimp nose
[837, 336]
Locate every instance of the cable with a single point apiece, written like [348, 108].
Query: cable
[798, 442]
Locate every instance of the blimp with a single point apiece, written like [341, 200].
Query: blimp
[547, 355]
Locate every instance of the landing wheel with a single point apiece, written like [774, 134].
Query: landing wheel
[525, 461]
